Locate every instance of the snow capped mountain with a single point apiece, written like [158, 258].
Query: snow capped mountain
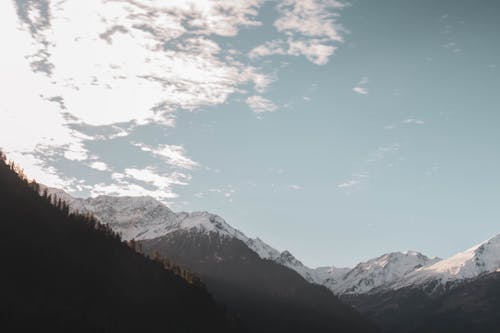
[320, 275]
[480, 259]
[378, 272]
[142, 218]
[287, 259]
[330, 276]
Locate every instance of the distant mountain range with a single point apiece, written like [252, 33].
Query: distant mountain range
[246, 275]
[387, 288]
[144, 218]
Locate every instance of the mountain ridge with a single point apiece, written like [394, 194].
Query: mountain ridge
[142, 218]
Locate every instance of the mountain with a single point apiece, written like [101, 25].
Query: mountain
[142, 218]
[252, 279]
[478, 260]
[458, 294]
[470, 306]
[379, 272]
[400, 291]
[63, 272]
[267, 296]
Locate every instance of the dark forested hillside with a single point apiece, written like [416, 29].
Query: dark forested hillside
[472, 306]
[65, 273]
[267, 296]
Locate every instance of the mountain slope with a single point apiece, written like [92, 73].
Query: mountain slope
[471, 306]
[481, 259]
[142, 218]
[63, 273]
[380, 272]
[268, 296]
[458, 294]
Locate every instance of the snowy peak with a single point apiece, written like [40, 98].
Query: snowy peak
[330, 275]
[205, 222]
[480, 259]
[380, 271]
[143, 218]
[264, 250]
[287, 259]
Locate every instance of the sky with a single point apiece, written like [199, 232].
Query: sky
[338, 130]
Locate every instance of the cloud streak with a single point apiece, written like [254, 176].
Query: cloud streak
[357, 180]
[310, 27]
[259, 104]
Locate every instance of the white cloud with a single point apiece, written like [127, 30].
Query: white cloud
[101, 166]
[349, 183]
[273, 47]
[295, 187]
[142, 182]
[413, 121]
[310, 28]
[360, 88]
[173, 155]
[109, 63]
[259, 104]
[313, 49]
[313, 18]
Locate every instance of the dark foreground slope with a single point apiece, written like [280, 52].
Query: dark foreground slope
[267, 297]
[472, 306]
[63, 273]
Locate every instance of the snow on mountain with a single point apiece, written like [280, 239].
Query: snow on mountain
[287, 259]
[318, 275]
[379, 272]
[142, 218]
[330, 276]
[480, 259]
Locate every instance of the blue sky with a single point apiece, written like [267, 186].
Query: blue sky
[336, 130]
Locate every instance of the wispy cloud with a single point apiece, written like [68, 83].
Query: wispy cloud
[227, 192]
[295, 187]
[360, 90]
[259, 104]
[115, 65]
[413, 121]
[360, 87]
[174, 155]
[311, 29]
[358, 179]
[350, 183]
